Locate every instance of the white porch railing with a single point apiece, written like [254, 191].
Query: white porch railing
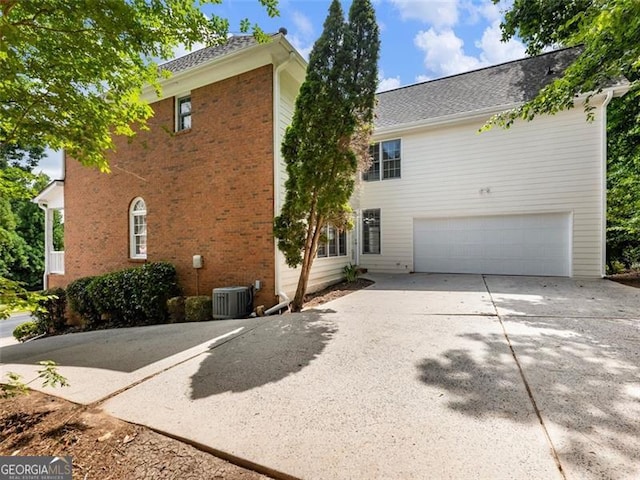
[56, 262]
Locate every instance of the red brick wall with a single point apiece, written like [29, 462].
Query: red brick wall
[208, 191]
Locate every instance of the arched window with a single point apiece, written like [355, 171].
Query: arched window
[138, 229]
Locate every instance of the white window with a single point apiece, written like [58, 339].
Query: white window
[183, 113]
[371, 231]
[333, 243]
[138, 229]
[385, 153]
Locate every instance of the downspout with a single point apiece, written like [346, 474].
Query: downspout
[276, 173]
[358, 236]
[45, 278]
[603, 252]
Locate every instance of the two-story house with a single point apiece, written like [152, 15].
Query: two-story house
[208, 178]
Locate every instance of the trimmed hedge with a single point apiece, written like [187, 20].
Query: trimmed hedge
[175, 306]
[51, 310]
[80, 301]
[136, 296]
[198, 309]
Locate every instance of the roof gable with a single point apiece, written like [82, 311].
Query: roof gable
[233, 44]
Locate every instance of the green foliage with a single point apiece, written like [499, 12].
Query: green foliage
[80, 301]
[198, 309]
[351, 272]
[607, 30]
[175, 307]
[329, 135]
[13, 296]
[27, 330]
[21, 225]
[48, 374]
[73, 71]
[13, 387]
[623, 180]
[21, 221]
[135, 296]
[51, 311]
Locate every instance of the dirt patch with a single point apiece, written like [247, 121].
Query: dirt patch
[629, 278]
[103, 447]
[335, 291]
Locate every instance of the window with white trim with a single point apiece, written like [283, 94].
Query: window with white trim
[138, 229]
[385, 161]
[333, 243]
[371, 231]
[183, 113]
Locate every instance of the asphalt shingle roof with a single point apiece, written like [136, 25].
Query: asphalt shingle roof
[499, 85]
[237, 42]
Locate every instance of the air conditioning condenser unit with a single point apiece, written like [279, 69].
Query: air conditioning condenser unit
[232, 302]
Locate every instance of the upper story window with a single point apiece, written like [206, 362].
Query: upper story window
[371, 231]
[138, 229]
[333, 243]
[183, 113]
[385, 161]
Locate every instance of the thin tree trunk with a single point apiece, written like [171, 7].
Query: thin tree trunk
[311, 247]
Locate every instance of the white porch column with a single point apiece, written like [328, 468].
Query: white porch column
[48, 242]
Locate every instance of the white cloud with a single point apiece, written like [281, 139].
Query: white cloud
[439, 13]
[302, 23]
[495, 51]
[51, 164]
[302, 46]
[423, 78]
[389, 83]
[444, 54]
[303, 37]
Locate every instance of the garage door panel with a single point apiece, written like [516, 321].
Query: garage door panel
[537, 244]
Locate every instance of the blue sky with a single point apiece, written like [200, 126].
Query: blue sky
[421, 39]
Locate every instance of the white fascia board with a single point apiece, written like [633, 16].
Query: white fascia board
[482, 114]
[217, 69]
[52, 196]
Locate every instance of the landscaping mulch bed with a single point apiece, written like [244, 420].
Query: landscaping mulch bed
[335, 291]
[103, 447]
[629, 278]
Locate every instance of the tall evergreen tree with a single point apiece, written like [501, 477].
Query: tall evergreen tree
[329, 135]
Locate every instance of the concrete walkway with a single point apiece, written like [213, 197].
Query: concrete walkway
[412, 378]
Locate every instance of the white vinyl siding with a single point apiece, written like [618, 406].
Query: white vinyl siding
[324, 271]
[552, 164]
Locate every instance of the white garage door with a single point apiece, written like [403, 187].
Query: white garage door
[506, 244]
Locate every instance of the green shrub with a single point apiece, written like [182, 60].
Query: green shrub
[135, 296]
[108, 296]
[198, 309]
[27, 330]
[351, 272]
[51, 310]
[175, 308]
[80, 301]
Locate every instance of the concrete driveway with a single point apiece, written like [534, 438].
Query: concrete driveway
[419, 376]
